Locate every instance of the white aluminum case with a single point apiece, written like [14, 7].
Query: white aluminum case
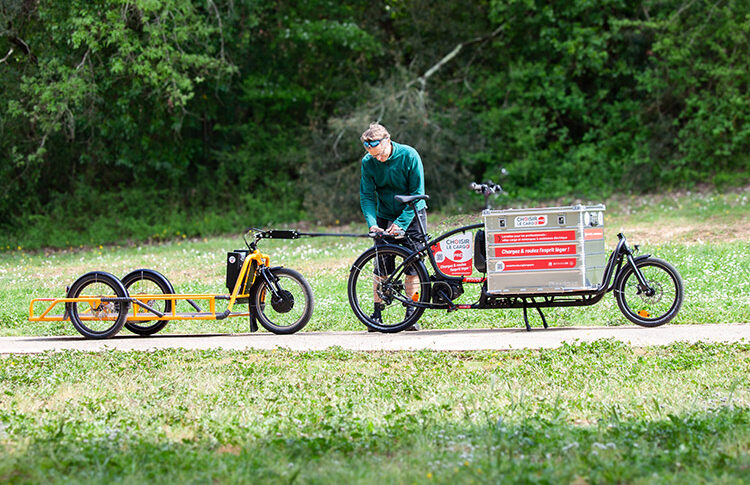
[545, 250]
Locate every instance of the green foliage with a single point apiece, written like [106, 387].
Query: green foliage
[231, 107]
[618, 94]
[698, 81]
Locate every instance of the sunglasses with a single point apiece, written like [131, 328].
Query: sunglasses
[372, 143]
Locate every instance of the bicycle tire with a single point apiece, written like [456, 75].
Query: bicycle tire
[650, 310]
[364, 281]
[110, 315]
[146, 328]
[278, 315]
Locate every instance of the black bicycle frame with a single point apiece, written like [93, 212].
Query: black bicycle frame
[612, 271]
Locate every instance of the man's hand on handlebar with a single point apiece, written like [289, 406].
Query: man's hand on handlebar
[393, 230]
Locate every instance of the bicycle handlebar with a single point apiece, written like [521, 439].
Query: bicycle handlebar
[486, 188]
[385, 235]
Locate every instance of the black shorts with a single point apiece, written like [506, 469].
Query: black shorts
[385, 265]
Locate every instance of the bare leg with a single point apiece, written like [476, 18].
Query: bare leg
[375, 283]
[411, 284]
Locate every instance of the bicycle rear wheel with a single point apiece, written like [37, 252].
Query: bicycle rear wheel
[379, 277]
[655, 305]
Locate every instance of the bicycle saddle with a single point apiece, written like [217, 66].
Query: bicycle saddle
[405, 199]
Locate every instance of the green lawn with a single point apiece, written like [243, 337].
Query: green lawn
[600, 412]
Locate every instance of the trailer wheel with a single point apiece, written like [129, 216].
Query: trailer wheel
[103, 316]
[148, 282]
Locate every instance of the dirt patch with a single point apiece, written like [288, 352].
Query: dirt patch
[685, 232]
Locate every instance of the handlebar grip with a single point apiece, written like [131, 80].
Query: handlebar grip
[385, 235]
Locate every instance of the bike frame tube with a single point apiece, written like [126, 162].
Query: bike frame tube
[418, 253]
[256, 256]
[426, 248]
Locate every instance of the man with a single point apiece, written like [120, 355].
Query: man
[390, 169]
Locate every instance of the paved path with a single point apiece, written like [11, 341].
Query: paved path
[469, 339]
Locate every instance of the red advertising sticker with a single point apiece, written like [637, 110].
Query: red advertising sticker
[589, 234]
[534, 237]
[529, 264]
[544, 250]
[454, 255]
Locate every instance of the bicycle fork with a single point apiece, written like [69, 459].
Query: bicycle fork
[643, 285]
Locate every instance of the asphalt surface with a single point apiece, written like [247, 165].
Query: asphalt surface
[446, 340]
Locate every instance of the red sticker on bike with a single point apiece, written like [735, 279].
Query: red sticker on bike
[534, 237]
[589, 234]
[531, 264]
[545, 250]
[455, 255]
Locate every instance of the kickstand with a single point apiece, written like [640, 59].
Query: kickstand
[253, 323]
[544, 320]
[526, 317]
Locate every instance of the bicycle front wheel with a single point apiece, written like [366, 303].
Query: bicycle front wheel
[287, 306]
[655, 305]
[382, 289]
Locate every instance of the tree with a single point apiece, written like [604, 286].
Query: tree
[100, 93]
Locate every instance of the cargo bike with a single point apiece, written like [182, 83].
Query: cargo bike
[527, 258]
[99, 304]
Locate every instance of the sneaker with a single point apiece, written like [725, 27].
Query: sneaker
[376, 316]
[409, 312]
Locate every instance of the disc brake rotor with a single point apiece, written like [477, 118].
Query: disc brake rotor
[655, 297]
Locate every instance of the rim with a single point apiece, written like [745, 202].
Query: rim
[99, 318]
[375, 282]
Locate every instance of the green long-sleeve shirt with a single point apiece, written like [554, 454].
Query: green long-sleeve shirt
[401, 174]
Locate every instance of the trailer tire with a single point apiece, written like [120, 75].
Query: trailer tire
[287, 311]
[108, 317]
[146, 328]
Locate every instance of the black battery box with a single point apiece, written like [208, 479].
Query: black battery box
[235, 260]
[480, 252]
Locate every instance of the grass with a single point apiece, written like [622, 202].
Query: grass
[600, 412]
